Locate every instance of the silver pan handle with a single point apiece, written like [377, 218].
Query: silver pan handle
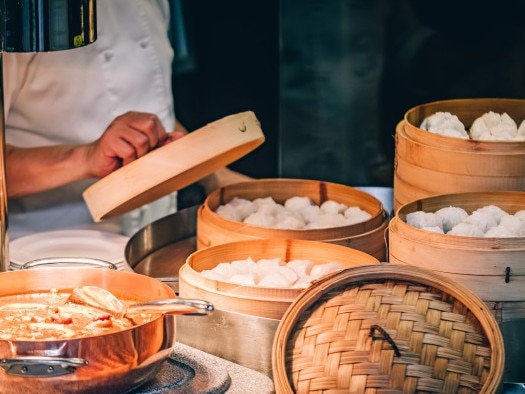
[78, 262]
[41, 366]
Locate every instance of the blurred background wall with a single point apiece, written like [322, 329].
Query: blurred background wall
[329, 80]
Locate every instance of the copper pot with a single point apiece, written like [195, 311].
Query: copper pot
[115, 362]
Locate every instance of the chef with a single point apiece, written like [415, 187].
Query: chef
[75, 116]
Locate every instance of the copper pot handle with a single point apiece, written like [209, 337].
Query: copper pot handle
[180, 306]
[34, 366]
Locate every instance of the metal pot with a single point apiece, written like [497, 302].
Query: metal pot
[115, 362]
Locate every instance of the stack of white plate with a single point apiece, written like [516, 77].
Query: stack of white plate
[94, 244]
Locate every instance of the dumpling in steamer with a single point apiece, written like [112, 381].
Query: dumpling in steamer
[520, 214]
[496, 212]
[499, 232]
[514, 224]
[301, 267]
[260, 219]
[244, 279]
[451, 216]
[482, 220]
[466, 230]
[311, 214]
[521, 132]
[494, 126]
[283, 276]
[422, 219]
[243, 206]
[228, 211]
[329, 220]
[320, 270]
[446, 124]
[243, 266]
[289, 221]
[298, 203]
[331, 207]
[356, 215]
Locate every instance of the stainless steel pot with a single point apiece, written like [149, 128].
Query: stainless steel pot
[115, 362]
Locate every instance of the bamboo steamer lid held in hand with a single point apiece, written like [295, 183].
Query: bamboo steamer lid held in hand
[174, 166]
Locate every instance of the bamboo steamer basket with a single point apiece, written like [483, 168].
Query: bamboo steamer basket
[490, 267]
[493, 268]
[255, 300]
[429, 164]
[367, 236]
[387, 328]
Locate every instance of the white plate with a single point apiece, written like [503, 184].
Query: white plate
[68, 243]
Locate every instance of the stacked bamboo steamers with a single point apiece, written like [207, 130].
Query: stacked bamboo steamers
[435, 171]
[369, 327]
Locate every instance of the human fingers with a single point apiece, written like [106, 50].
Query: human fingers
[173, 136]
[143, 131]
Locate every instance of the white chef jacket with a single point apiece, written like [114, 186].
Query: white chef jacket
[71, 96]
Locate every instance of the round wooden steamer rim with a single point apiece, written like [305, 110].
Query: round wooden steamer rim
[470, 201]
[281, 189]
[443, 160]
[286, 249]
[385, 271]
[174, 166]
[467, 110]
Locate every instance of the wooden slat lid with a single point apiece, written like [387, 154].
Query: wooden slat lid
[387, 328]
[174, 166]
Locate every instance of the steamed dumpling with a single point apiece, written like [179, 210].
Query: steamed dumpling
[499, 232]
[298, 203]
[422, 219]
[466, 230]
[330, 207]
[496, 212]
[356, 215]
[260, 219]
[482, 220]
[243, 206]
[320, 270]
[228, 211]
[446, 124]
[494, 126]
[296, 213]
[289, 220]
[521, 132]
[451, 216]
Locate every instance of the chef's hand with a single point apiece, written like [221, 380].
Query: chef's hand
[129, 137]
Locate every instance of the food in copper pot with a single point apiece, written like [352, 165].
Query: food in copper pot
[52, 316]
[490, 126]
[487, 221]
[272, 272]
[297, 213]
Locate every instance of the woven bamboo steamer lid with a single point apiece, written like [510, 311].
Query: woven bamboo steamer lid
[490, 267]
[257, 300]
[174, 166]
[342, 335]
[367, 236]
[428, 164]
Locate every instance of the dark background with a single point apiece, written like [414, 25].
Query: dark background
[477, 50]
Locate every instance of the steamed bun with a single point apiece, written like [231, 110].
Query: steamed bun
[444, 123]
[494, 126]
